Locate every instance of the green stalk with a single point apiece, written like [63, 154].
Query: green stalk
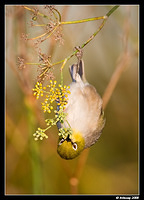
[101, 26]
[111, 11]
[92, 36]
[62, 78]
[82, 20]
[36, 168]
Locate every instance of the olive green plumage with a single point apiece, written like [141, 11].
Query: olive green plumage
[70, 148]
[84, 114]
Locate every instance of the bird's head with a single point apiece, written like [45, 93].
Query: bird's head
[72, 146]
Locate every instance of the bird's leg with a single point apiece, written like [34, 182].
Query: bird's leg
[79, 54]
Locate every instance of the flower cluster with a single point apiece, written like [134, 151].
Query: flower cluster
[64, 132]
[58, 94]
[53, 93]
[38, 90]
[60, 115]
[40, 134]
[21, 64]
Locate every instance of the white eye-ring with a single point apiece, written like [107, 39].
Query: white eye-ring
[74, 145]
[62, 140]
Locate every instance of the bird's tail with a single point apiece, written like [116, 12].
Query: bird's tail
[77, 69]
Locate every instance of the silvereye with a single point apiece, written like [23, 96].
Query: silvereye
[84, 114]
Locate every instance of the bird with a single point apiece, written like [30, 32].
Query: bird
[85, 115]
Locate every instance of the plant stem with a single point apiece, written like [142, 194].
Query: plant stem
[36, 64]
[53, 31]
[58, 14]
[32, 10]
[92, 36]
[38, 36]
[111, 11]
[62, 78]
[83, 20]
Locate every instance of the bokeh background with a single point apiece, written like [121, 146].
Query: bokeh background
[112, 165]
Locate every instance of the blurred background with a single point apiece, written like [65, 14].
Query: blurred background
[112, 165]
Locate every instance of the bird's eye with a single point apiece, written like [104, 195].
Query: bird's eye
[74, 146]
[62, 140]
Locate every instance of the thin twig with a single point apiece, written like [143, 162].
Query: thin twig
[38, 13]
[125, 61]
[83, 20]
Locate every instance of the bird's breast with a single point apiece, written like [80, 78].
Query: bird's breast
[83, 108]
